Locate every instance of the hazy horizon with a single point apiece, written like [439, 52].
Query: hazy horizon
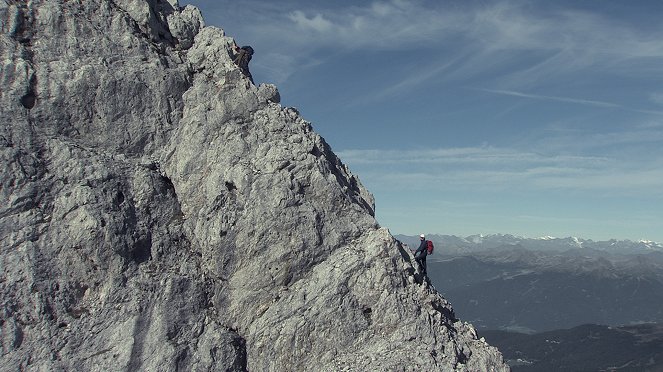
[395, 233]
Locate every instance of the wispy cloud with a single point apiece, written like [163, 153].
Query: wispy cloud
[411, 80]
[395, 25]
[579, 101]
[504, 25]
[316, 24]
[491, 36]
[499, 169]
[631, 141]
[656, 98]
[486, 156]
[553, 98]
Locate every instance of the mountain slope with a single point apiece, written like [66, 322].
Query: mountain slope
[535, 291]
[584, 348]
[533, 285]
[160, 212]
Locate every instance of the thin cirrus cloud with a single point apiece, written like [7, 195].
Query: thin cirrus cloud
[485, 156]
[656, 98]
[625, 181]
[563, 40]
[317, 23]
[579, 101]
[495, 168]
[404, 25]
[488, 35]
[392, 25]
[553, 98]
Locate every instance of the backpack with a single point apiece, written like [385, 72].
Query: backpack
[429, 246]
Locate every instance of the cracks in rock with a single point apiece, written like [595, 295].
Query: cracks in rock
[141, 329]
[367, 312]
[348, 182]
[226, 204]
[25, 21]
[29, 99]
[168, 189]
[161, 39]
[142, 249]
[230, 186]
[462, 358]
[447, 312]
[100, 352]
[241, 360]
[23, 33]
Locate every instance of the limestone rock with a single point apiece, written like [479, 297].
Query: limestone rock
[185, 25]
[160, 212]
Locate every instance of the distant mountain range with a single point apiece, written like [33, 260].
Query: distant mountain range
[455, 245]
[533, 285]
[534, 298]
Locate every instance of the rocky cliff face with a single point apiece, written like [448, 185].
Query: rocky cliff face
[159, 212]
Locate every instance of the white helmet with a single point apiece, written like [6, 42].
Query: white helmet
[422, 236]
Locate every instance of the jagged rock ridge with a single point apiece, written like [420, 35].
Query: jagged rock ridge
[160, 212]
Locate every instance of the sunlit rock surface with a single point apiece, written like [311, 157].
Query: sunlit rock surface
[159, 212]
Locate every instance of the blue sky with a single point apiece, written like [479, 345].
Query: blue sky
[530, 118]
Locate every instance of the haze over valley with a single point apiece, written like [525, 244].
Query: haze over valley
[573, 303]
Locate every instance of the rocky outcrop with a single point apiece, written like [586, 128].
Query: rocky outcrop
[160, 212]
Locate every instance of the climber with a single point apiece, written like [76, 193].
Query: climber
[421, 253]
[242, 58]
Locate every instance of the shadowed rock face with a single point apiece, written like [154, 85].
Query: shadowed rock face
[160, 212]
